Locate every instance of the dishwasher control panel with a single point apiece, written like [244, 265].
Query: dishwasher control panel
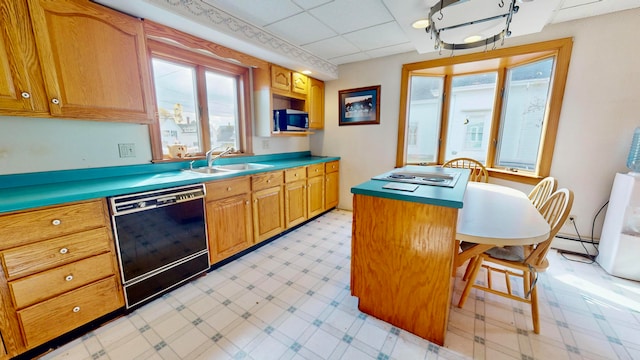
[125, 204]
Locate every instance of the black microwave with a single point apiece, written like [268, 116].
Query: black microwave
[290, 120]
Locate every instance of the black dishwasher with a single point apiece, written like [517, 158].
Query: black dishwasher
[161, 240]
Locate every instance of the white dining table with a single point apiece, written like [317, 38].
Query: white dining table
[494, 215]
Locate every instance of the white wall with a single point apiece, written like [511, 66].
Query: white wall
[36, 144]
[276, 145]
[600, 110]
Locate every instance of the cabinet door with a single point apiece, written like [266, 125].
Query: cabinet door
[331, 190]
[315, 196]
[299, 83]
[316, 104]
[229, 226]
[21, 89]
[280, 78]
[94, 61]
[295, 199]
[268, 213]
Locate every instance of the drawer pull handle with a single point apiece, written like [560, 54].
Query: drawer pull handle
[76, 309]
[68, 278]
[56, 222]
[269, 181]
[64, 251]
[55, 101]
[229, 188]
[25, 95]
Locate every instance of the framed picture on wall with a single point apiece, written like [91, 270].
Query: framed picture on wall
[359, 106]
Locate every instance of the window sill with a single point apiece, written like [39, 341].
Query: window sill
[520, 177]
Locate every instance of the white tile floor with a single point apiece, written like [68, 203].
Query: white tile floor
[290, 300]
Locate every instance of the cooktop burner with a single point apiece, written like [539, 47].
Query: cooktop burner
[437, 177]
[401, 176]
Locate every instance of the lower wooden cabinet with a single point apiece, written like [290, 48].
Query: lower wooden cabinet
[51, 318]
[332, 184]
[268, 205]
[60, 272]
[295, 196]
[229, 217]
[315, 190]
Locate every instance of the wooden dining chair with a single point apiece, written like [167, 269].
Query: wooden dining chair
[542, 191]
[478, 171]
[524, 262]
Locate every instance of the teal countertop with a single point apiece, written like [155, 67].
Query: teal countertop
[26, 191]
[425, 194]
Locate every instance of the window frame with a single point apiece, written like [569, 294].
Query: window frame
[495, 60]
[202, 63]
[178, 46]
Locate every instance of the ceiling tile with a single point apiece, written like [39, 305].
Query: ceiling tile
[377, 36]
[331, 48]
[335, 32]
[301, 29]
[579, 9]
[258, 13]
[391, 50]
[345, 16]
[310, 4]
[350, 58]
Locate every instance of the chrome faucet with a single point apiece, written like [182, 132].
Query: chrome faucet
[211, 158]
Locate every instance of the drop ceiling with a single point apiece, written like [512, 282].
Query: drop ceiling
[318, 35]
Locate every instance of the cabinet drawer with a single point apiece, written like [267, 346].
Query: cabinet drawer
[295, 174]
[227, 188]
[332, 166]
[266, 180]
[27, 227]
[315, 170]
[30, 259]
[35, 288]
[49, 319]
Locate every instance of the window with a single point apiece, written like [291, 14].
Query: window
[424, 119]
[202, 102]
[469, 113]
[175, 86]
[525, 103]
[499, 107]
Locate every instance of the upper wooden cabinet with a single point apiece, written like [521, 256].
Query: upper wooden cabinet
[94, 61]
[21, 89]
[286, 82]
[280, 78]
[315, 104]
[299, 83]
[280, 88]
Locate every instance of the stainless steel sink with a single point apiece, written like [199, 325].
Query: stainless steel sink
[208, 170]
[242, 167]
[230, 168]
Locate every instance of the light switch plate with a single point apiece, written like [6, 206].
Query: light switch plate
[127, 150]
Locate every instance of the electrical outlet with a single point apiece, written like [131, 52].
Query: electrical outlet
[265, 143]
[127, 150]
[571, 219]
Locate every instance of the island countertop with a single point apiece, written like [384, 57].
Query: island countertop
[424, 194]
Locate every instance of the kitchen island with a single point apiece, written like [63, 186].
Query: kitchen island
[402, 252]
